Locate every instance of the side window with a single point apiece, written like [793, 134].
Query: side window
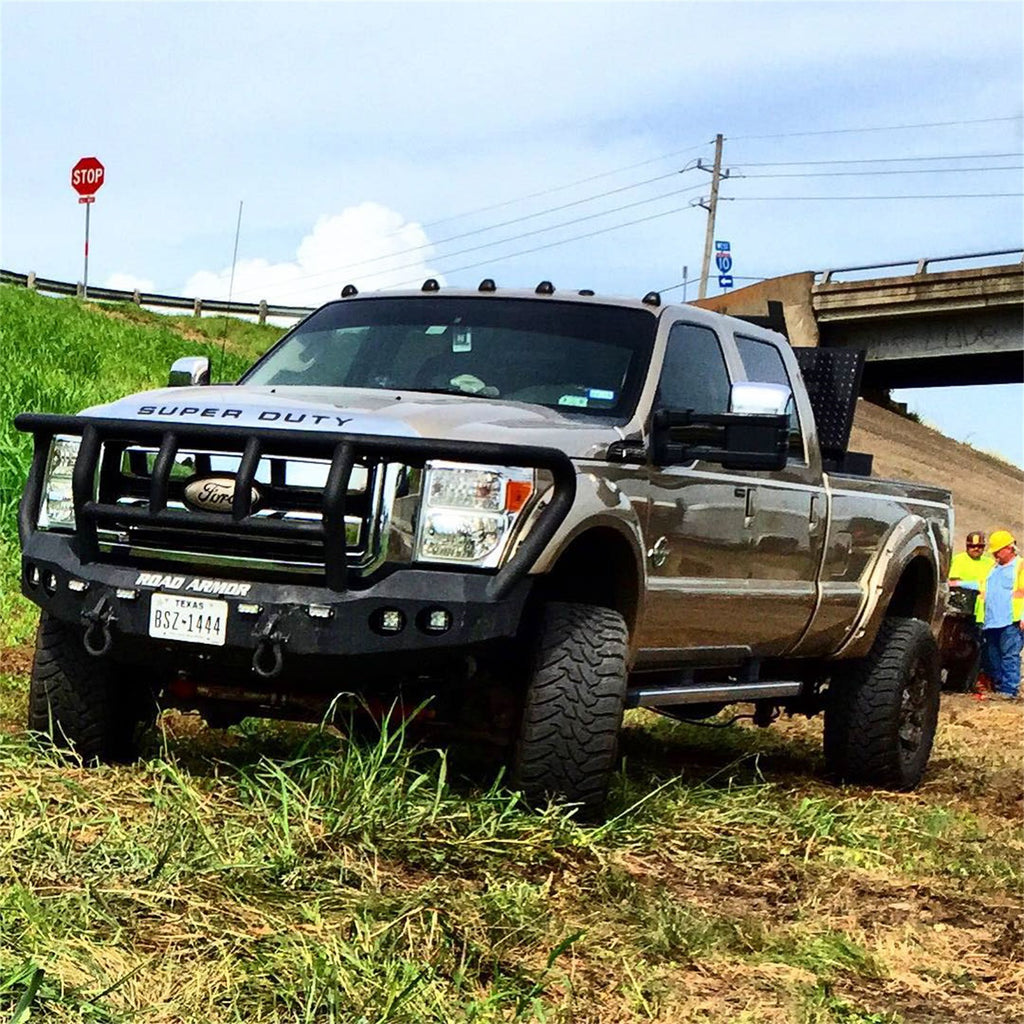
[694, 374]
[762, 363]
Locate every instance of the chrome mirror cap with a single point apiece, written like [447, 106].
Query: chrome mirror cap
[749, 397]
[189, 370]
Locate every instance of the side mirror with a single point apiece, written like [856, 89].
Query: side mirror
[755, 435]
[189, 370]
[748, 397]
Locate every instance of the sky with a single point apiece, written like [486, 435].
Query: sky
[383, 143]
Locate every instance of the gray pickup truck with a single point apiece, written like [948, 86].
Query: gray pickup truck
[531, 509]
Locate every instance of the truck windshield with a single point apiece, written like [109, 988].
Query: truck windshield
[575, 357]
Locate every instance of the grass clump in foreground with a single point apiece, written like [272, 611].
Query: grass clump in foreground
[279, 873]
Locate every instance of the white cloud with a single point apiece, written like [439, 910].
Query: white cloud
[369, 245]
[128, 282]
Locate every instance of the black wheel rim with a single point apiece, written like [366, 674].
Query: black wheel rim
[913, 711]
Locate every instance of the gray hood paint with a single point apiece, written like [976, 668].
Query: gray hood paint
[363, 411]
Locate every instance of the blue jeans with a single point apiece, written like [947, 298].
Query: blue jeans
[1002, 654]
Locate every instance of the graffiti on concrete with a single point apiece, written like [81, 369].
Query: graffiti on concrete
[976, 333]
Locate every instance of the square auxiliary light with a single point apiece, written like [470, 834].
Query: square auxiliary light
[387, 620]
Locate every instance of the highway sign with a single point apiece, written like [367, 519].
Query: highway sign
[724, 281]
[87, 176]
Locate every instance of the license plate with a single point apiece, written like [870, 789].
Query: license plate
[196, 620]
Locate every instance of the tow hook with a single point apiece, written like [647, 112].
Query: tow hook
[97, 638]
[268, 658]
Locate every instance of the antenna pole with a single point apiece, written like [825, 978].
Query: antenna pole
[231, 288]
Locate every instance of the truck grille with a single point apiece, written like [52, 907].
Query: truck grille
[289, 490]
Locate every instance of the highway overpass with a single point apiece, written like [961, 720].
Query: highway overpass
[922, 329]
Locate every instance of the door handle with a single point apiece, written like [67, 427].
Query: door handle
[750, 507]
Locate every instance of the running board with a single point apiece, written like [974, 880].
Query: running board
[653, 696]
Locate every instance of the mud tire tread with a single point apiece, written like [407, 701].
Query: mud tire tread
[567, 745]
[74, 699]
[862, 719]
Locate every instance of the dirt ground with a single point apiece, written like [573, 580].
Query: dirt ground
[988, 494]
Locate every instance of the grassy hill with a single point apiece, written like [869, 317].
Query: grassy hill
[287, 873]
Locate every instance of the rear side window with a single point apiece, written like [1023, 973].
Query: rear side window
[694, 375]
[763, 363]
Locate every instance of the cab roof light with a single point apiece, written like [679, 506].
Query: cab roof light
[487, 285]
[430, 285]
[545, 288]
[348, 291]
[652, 299]
[586, 291]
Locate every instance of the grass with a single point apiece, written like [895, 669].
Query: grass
[277, 872]
[63, 356]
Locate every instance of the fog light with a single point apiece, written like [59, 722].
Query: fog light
[126, 594]
[33, 576]
[78, 586]
[387, 620]
[320, 611]
[249, 609]
[51, 583]
[435, 620]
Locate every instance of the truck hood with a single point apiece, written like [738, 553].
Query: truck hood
[363, 411]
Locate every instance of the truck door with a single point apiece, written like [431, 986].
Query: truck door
[785, 515]
[732, 556]
[698, 548]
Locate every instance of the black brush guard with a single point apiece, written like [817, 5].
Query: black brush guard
[251, 444]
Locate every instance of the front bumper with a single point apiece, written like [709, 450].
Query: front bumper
[302, 620]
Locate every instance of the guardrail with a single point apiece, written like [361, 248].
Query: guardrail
[261, 310]
[921, 265]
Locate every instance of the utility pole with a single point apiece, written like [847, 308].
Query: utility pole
[712, 207]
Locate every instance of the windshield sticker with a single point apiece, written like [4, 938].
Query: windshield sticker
[437, 329]
[601, 395]
[462, 339]
[578, 400]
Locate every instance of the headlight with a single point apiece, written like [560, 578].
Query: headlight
[469, 512]
[57, 509]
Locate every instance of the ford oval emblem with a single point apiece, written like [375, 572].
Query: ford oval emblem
[214, 494]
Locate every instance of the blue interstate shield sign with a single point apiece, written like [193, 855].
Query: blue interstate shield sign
[724, 262]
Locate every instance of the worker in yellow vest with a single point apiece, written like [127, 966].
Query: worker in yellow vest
[999, 610]
[970, 566]
[966, 571]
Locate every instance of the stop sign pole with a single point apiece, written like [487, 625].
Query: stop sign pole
[86, 178]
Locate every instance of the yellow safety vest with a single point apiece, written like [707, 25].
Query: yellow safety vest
[1016, 598]
[970, 570]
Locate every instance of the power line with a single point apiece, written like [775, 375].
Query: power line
[860, 174]
[880, 160]
[683, 209]
[880, 128]
[953, 195]
[571, 184]
[363, 264]
[539, 231]
[563, 241]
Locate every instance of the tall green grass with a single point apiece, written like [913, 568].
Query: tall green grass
[60, 355]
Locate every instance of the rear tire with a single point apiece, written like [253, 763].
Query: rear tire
[881, 716]
[77, 701]
[569, 735]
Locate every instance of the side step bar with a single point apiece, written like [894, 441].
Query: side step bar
[653, 696]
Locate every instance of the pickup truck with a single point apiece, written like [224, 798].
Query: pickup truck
[532, 510]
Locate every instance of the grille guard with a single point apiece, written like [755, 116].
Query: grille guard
[251, 443]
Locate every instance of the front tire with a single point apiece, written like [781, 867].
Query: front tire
[75, 699]
[568, 738]
[881, 717]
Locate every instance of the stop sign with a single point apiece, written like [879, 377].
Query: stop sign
[87, 176]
